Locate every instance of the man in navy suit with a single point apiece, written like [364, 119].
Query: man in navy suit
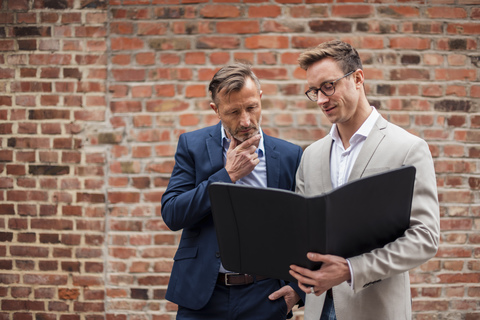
[233, 151]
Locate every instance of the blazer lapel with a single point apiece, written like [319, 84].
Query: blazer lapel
[215, 148]
[324, 159]
[273, 162]
[368, 149]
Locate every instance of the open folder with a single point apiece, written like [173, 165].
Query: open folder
[262, 231]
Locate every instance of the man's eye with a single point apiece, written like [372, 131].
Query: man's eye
[327, 86]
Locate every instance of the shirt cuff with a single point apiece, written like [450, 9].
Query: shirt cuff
[350, 283]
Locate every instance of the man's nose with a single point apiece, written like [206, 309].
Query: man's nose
[245, 119]
[321, 98]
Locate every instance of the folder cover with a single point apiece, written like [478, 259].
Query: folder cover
[262, 231]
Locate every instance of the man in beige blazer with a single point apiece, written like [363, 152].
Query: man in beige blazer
[374, 285]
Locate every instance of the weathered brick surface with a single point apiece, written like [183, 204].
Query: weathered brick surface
[95, 93]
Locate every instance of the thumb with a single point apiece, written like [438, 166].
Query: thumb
[277, 294]
[274, 296]
[316, 257]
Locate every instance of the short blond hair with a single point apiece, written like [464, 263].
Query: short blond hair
[343, 53]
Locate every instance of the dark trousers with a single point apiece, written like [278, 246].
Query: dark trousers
[239, 303]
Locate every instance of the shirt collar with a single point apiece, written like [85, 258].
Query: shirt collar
[261, 146]
[363, 131]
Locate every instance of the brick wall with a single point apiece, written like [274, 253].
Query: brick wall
[93, 97]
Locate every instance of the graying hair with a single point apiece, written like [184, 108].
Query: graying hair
[231, 78]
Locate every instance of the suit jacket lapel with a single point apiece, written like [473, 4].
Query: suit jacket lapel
[368, 149]
[326, 149]
[273, 162]
[215, 148]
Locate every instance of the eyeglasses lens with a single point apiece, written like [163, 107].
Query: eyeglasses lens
[312, 94]
[328, 89]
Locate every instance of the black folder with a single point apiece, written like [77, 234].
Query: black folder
[262, 231]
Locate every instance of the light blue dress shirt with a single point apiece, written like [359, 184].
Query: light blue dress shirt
[258, 177]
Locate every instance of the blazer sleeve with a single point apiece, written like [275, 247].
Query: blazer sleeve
[420, 241]
[186, 201]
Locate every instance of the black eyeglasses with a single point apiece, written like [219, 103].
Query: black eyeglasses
[327, 88]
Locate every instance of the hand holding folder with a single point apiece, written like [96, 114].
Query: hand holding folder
[263, 231]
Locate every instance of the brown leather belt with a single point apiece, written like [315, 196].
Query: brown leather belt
[237, 279]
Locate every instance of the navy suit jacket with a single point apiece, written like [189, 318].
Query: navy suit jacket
[186, 205]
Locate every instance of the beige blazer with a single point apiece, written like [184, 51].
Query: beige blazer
[381, 285]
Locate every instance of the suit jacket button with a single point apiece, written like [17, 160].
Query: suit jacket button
[217, 254]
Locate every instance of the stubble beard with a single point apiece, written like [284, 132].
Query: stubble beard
[242, 138]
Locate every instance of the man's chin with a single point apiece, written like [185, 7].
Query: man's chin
[244, 137]
[241, 138]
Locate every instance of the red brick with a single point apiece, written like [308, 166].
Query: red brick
[169, 58]
[218, 43]
[121, 27]
[410, 43]
[265, 11]
[220, 11]
[17, 305]
[125, 106]
[267, 42]
[409, 74]
[271, 73]
[152, 28]
[122, 43]
[353, 11]
[399, 11]
[125, 197]
[475, 91]
[7, 45]
[141, 91]
[238, 27]
[195, 57]
[5, 101]
[195, 91]
[221, 58]
[243, 56]
[430, 305]
[446, 13]
[189, 120]
[459, 91]
[455, 74]
[145, 58]
[141, 152]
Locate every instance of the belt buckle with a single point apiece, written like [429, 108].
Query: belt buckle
[230, 274]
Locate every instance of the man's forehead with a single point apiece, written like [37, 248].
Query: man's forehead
[324, 70]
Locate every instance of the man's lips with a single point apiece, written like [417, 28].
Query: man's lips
[328, 108]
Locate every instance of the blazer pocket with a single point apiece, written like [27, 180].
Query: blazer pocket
[185, 253]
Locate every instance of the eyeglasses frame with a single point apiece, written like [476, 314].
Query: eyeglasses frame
[331, 82]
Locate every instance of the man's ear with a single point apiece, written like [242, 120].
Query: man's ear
[359, 78]
[214, 108]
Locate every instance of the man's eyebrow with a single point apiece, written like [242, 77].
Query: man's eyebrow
[321, 84]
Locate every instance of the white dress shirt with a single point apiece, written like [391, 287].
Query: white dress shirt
[342, 161]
